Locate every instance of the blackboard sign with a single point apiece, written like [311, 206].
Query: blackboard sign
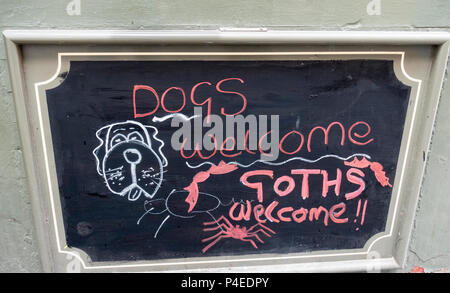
[177, 159]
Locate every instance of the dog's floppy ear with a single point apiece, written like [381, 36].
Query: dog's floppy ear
[100, 151]
[156, 144]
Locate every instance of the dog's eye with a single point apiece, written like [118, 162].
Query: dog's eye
[118, 138]
[135, 136]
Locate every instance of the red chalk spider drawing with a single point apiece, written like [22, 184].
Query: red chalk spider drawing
[235, 232]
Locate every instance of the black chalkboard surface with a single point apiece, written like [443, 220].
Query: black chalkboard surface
[315, 173]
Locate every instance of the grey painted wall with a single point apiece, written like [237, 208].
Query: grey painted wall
[430, 246]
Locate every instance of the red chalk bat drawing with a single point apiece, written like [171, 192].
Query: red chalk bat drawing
[221, 168]
[376, 167]
[236, 232]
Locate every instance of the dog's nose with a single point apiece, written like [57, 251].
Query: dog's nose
[132, 156]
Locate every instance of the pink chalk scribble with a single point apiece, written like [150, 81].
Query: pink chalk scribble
[221, 168]
[376, 167]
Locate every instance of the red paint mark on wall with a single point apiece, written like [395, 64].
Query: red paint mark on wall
[418, 269]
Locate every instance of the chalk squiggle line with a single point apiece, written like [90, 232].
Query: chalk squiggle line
[284, 162]
[182, 116]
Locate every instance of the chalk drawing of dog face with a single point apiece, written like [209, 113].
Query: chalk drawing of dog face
[130, 159]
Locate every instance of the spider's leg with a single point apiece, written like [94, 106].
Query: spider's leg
[222, 218]
[214, 236]
[213, 243]
[262, 226]
[251, 241]
[219, 226]
[262, 231]
[254, 234]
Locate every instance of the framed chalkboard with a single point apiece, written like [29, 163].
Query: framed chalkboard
[203, 158]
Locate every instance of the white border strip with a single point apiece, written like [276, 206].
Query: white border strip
[47, 167]
[227, 36]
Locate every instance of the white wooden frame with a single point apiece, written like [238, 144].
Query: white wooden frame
[411, 164]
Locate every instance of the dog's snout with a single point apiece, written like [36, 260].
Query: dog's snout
[132, 156]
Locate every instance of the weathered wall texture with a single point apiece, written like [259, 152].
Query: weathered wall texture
[430, 246]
